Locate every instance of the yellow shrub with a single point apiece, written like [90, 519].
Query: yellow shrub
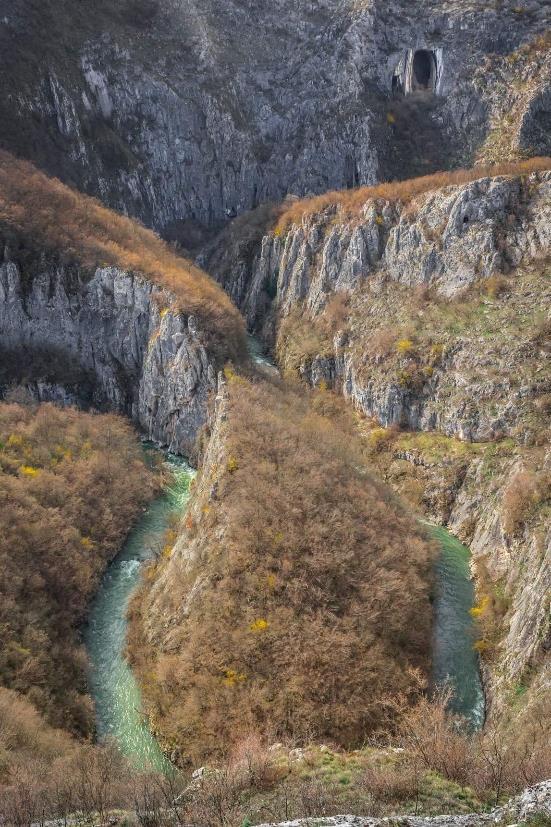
[259, 625]
[28, 470]
[379, 438]
[271, 581]
[405, 347]
[436, 352]
[232, 465]
[483, 605]
[233, 678]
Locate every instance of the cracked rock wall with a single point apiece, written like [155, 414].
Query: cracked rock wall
[140, 359]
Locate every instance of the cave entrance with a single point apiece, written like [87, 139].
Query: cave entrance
[418, 70]
[423, 70]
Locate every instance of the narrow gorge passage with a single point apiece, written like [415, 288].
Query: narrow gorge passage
[113, 687]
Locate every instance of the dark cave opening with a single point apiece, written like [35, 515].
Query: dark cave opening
[423, 69]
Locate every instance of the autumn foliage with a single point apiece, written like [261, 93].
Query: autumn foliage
[43, 214]
[302, 595]
[71, 483]
[350, 202]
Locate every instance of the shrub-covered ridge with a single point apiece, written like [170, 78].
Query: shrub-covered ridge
[40, 215]
[298, 593]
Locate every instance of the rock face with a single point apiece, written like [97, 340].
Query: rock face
[114, 339]
[447, 239]
[532, 802]
[521, 565]
[175, 112]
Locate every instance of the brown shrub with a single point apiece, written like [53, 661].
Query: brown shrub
[436, 738]
[504, 757]
[350, 202]
[525, 491]
[496, 285]
[44, 773]
[314, 594]
[393, 784]
[382, 342]
[45, 215]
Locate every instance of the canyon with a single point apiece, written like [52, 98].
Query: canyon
[364, 186]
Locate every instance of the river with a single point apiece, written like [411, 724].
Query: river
[454, 660]
[112, 685]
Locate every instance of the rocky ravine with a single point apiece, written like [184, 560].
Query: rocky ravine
[113, 335]
[173, 112]
[477, 369]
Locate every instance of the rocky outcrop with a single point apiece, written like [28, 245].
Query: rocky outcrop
[177, 113]
[534, 801]
[447, 239]
[112, 336]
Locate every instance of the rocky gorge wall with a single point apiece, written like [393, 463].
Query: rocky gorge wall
[447, 241]
[113, 336]
[175, 113]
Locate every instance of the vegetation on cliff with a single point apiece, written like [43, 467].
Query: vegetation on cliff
[298, 594]
[349, 202]
[41, 216]
[71, 484]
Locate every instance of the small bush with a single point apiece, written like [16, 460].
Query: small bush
[393, 784]
[495, 286]
[525, 491]
[405, 347]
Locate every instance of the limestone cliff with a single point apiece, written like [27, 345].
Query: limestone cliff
[446, 240]
[177, 112]
[113, 336]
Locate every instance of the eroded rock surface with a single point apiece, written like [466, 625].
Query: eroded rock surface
[180, 113]
[112, 338]
[533, 801]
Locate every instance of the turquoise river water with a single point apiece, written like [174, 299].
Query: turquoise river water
[454, 660]
[114, 688]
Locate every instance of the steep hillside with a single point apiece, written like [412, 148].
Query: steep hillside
[296, 596]
[429, 309]
[70, 486]
[183, 114]
[96, 310]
